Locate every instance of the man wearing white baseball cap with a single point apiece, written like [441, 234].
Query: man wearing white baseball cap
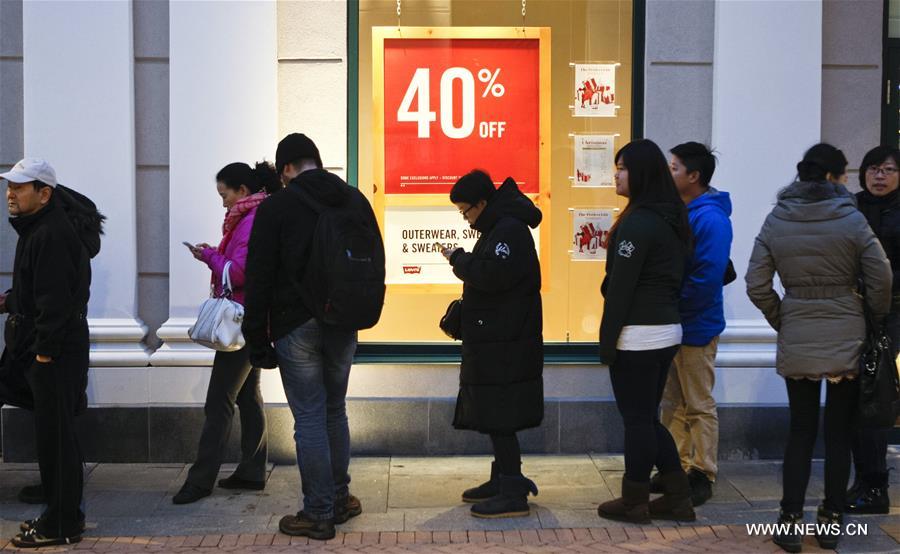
[47, 345]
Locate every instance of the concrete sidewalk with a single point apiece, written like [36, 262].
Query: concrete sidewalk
[412, 504]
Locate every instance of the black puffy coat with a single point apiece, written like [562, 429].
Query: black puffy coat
[501, 382]
[47, 302]
[883, 215]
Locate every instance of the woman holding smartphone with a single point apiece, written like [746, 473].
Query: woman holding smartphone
[233, 380]
[501, 387]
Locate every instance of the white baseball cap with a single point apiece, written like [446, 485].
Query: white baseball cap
[31, 169]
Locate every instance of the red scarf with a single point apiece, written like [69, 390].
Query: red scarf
[236, 213]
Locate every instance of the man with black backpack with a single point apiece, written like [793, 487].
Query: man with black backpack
[314, 277]
[45, 362]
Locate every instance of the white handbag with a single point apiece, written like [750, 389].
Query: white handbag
[219, 323]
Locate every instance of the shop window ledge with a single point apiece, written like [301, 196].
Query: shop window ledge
[449, 353]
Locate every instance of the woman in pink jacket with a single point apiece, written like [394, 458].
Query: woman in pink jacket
[233, 380]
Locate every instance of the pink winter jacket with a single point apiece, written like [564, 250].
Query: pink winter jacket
[233, 248]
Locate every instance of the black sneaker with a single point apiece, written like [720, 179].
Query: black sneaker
[190, 493]
[301, 525]
[33, 539]
[235, 482]
[701, 487]
[346, 508]
[29, 524]
[789, 538]
[32, 494]
[832, 524]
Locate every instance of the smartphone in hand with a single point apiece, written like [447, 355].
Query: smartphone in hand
[189, 245]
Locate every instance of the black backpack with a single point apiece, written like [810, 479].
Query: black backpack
[343, 283]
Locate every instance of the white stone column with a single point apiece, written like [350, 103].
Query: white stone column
[79, 116]
[223, 109]
[767, 93]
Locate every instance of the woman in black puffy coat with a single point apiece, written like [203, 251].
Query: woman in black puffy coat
[879, 201]
[501, 384]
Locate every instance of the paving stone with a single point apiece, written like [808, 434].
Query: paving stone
[555, 518]
[459, 517]
[133, 477]
[168, 526]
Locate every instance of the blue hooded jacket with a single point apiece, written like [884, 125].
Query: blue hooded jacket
[701, 306]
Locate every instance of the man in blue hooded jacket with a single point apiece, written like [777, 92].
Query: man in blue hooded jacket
[688, 407]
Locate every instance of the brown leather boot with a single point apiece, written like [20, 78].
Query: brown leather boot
[675, 503]
[631, 507]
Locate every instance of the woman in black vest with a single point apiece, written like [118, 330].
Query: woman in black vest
[501, 385]
[641, 329]
[879, 201]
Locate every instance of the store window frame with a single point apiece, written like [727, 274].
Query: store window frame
[425, 352]
[890, 82]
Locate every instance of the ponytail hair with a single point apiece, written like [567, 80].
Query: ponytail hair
[262, 177]
[820, 161]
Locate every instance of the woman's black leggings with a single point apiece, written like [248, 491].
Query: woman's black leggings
[638, 380]
[507, 454]
[840, 409]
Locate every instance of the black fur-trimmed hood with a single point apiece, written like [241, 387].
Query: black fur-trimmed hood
[83, 215]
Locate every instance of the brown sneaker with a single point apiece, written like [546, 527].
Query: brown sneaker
[346, 508]
[301, 525]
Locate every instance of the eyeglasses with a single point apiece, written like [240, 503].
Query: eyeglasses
[886, 171]
[464, 212]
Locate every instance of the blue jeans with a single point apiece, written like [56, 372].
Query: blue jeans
[315, 366]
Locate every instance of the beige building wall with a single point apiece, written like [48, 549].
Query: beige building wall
[312, 75]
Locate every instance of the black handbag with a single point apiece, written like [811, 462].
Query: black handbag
[451, 323]
[879, 384]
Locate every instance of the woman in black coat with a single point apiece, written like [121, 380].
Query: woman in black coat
[501, 384]
[879, 201]
[641, 331]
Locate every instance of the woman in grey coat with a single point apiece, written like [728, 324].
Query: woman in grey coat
[820, 245]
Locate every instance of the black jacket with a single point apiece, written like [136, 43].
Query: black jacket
[883, 215]
[48, 301]
[501, 383]
[278, 254]
[644, 273]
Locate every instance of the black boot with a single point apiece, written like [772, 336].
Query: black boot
[789, 538]
[829, 529]
[675, 504]
[512, 500]
[631, 507]
[871, 497]
[486, 490]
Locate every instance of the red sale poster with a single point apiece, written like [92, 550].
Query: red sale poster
[456, 104]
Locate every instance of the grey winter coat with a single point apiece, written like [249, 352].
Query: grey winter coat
[819, 244]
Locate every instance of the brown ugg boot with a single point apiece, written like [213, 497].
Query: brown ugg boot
[631, 507]
[675, 503]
